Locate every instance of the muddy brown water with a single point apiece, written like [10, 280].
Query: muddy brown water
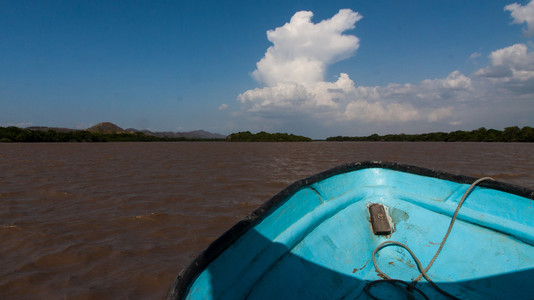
[120, 220]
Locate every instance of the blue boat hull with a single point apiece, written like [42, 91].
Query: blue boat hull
[314, 240]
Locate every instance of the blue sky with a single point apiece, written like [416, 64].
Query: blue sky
[325, 68]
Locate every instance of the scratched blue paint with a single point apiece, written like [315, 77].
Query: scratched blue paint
[318, 243]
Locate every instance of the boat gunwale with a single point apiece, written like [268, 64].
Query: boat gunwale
[186, 277]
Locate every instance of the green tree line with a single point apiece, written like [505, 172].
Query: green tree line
[509, 134]
[21, 135]
[262, 136]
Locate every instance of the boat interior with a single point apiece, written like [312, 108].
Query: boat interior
[319, 243]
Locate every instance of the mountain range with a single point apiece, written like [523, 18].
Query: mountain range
[110, 128]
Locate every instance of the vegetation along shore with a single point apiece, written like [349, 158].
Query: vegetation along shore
[509, 134]
[109, 132]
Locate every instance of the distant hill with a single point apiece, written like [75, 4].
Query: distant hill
[106, 128]
[197, 134]
[110, 128]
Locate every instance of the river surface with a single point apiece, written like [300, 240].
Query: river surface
[120, 220]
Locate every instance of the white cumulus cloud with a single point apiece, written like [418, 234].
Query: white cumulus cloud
[430, 100]
[512, 68]
[523, 14]
[294, 90]
[301, 49]
[293, 70]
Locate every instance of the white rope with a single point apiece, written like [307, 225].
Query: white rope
[423, 272]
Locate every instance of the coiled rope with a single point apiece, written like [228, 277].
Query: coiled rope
[423, 272]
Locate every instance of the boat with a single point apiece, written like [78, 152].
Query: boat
[374, 230]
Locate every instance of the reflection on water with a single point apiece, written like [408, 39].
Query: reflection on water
[118, 220]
